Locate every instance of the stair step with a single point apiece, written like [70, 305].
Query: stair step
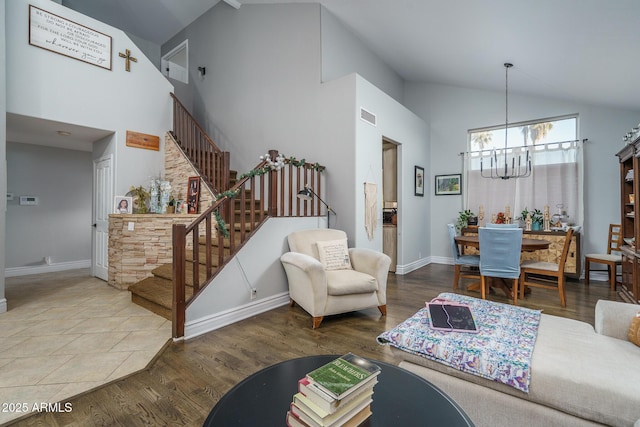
[214, 240]
[166, 272]
[156, 295]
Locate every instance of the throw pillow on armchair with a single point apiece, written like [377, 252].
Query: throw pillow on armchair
[634, 330]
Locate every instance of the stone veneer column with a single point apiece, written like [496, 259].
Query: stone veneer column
[178, 169]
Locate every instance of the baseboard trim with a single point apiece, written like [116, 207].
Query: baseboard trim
[408, 268]
[206, 324]
[3, 305]
[46, 268]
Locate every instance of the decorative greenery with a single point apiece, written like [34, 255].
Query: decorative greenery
[222, 226]
[536, 216]
[271, 164]
[463, 218]
[142, 196]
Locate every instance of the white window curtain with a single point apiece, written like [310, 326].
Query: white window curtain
[555, 181]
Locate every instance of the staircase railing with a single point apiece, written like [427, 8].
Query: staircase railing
[211, 161]
[232, 219]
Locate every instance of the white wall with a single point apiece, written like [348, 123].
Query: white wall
[75, 92]
[264, 91]
[343, 53]
[60, 225]
[451, 111]
[228, 298]
[399, 124]
[3, 156]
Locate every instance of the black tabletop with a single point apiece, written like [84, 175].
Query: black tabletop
[400, 398]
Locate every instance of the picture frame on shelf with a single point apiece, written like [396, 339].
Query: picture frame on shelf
[193, 195]
[447, 185]
[122, 205]
[181, 206]
[419, 181]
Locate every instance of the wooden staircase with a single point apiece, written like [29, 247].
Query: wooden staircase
[155, 293]
[201, 249]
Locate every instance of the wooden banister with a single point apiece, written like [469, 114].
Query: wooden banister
[208, 159]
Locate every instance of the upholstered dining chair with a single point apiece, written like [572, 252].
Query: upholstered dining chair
[500, 256]
[326, 277]
[470, 263]
[612, 259]
[554, 277]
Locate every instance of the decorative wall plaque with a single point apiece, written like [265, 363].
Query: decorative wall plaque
[57, 34]
[142, 140]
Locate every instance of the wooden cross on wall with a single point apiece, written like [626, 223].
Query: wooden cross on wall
[128, 58]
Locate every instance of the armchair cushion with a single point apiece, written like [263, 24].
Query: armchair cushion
[347, 282]
[334, 254]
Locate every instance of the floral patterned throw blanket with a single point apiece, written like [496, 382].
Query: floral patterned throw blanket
[501, 350]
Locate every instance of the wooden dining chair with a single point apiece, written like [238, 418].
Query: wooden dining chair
[500, 256]
[611, 260]
[469, 262]
[547, 275]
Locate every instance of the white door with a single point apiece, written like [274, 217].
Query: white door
[102, 199]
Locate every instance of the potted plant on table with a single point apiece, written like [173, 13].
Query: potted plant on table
[465, 219]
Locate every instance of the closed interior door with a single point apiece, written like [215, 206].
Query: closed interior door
[102, 198]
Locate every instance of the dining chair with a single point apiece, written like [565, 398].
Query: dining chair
[611, 260]
[492, 225]
[552, 273]
[500, 256]
[460, 261]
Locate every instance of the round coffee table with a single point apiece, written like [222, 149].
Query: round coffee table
[400, 398]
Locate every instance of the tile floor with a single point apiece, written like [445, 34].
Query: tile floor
[65, 333]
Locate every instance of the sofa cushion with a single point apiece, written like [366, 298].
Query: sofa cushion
[574, 370]
[347, 282]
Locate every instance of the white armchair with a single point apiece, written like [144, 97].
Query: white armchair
[324, 281]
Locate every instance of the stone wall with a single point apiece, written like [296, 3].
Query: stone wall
[178, 169]
[134, 253]
[140, 243]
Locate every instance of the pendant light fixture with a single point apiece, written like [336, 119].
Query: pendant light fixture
[500, 170]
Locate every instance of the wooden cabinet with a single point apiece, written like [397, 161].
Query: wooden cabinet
[553, 254]
[630, 221]
[389, 244]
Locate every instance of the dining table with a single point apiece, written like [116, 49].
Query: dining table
[528, 245]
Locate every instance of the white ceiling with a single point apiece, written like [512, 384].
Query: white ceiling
[581, 50]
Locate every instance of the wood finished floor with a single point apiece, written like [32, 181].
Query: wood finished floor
[188, 378]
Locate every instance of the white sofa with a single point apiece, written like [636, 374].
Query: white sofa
[580, 376]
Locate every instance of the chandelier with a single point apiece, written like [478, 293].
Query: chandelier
[501, 169]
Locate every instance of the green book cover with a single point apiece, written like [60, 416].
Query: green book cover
[344, 374]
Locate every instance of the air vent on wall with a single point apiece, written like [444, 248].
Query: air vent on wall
[367, 116]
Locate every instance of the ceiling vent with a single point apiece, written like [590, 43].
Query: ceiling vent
[367, 116]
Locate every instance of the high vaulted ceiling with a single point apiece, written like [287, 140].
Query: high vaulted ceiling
[583, 50]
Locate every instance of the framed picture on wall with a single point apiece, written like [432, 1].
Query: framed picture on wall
[123, 205]
[448, 184]
[193, 195]
[419, 181]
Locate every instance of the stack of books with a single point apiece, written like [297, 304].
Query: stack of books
[336, 394]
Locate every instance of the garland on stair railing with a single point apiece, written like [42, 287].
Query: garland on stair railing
[270, 165]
